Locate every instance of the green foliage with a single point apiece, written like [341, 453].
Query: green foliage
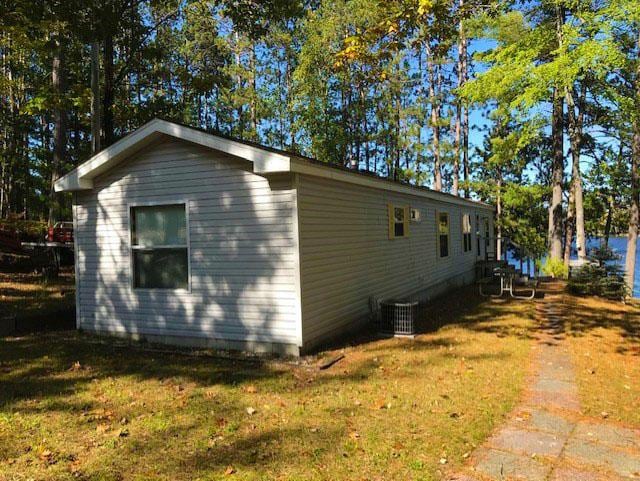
[554, 268]
[604, 277]
[351, 82]
[27, 230]
[595, 280]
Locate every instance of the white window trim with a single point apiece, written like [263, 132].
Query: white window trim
[132, 248]
[470, 233]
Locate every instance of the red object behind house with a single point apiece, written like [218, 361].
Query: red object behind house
[61, 232]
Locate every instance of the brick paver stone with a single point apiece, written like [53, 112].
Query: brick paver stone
[501, 465]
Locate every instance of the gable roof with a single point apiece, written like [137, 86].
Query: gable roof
[265, 160]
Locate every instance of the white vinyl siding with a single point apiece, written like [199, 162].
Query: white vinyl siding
[242, 243]
[346, 256]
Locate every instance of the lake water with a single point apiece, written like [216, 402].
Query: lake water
[619, 247]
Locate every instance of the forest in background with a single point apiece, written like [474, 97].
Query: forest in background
[532, 106]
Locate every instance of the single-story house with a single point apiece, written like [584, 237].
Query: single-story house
[189, 238]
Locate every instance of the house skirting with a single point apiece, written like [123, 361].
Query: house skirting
[258, 347]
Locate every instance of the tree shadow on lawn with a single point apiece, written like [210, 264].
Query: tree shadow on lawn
[57, 365]
[43, 365]
[586, 315]
[463, 307]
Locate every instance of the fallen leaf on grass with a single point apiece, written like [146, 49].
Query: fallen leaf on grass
[74, 467]
[48, 457]
[251, 411]
[210, 394]
[381, 404]
[102, 428]
[76, 366]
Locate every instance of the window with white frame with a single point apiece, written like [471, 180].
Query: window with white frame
[443, 234]
[478, 234]
[159, 246]
[466, 232]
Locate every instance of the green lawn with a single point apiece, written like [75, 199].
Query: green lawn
[75, 408]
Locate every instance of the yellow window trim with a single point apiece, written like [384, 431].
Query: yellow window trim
[448, 234]
[392, 223]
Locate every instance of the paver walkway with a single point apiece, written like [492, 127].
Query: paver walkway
[547, 438]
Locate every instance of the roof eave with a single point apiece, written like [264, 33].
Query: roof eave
[302, 166]
[81, 178]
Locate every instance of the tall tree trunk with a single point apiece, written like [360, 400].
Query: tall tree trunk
[499, 219]
[58, 81]
[634, 215]
[607, 225]
[557, 171]
[460, 140]
[557, 167]
[435, 123]
[456, 150]
[8, 150]
[254, 93]
[238, 87]
[568, 229]
[465, 144]
[108, 94]
[576, 120]
[95, 98]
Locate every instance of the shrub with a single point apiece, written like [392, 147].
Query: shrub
[554, 268]
[603, 278]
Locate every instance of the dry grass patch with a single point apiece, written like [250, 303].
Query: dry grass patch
[26, 295]
[605, 341]
[392, 409]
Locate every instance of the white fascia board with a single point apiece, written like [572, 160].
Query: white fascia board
[81, 178]
[264, 162]
[305, 167]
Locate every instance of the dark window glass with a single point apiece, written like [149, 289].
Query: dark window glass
[443, 233]
[398, 222]
[444, 245]
[161, 268]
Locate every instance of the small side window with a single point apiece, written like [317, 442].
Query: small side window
[398, 221]
[443, 234]
[466, 232]
[478, 234]
[159, 250]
